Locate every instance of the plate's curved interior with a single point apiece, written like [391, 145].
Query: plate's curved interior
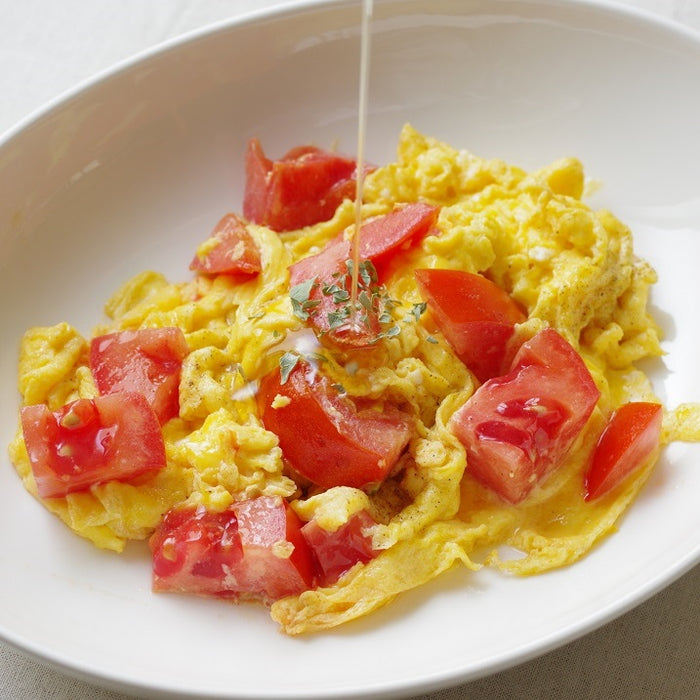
[131, 172]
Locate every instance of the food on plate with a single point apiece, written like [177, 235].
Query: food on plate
[292, 427]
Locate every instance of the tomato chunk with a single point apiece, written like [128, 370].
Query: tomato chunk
[475, 315]
[520, 427]
[254, 550]
[302, 188]
[230, 250]
[87, 442]
[337, 552]
[147, 361]
[380, 238]
[196, 551]
[631, 436]
[277, 560]
[324, 436]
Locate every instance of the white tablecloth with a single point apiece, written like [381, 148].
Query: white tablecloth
[48, 46]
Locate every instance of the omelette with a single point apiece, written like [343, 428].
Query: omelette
[568, 270]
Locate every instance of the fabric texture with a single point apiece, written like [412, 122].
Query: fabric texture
[649, 653]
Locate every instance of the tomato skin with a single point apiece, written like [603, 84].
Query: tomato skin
[147, 361]
[235, 252]
[90, 441]
[337, 552]
[382, 236]
[475, 315]
[302, 188]
[631, 436]
[324, 436]
[253, 550]
[520, 427]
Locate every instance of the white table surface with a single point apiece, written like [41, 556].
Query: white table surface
[49, 46]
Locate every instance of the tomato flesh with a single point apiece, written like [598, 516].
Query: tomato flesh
[302, 188]
[324, 436]
[475, 315]
[276, 559]
[631, 436]
[253, 550]
[337, 552]
[147, 361]
[230, 250]
[519, 427]
[194, 550]
[90, 441]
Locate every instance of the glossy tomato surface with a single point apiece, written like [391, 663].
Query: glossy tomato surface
[337, 552]
[196, 551]
[474, 314]
[277, 560]
[324, 436]
[230, 250]
[519, 427]
[147, 361]
[253, 550]
[88, 442]
[631, 436]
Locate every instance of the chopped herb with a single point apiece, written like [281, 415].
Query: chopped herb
[432, 340]
[339, 388]
[302, 305]
[287, 363]
[417, 310]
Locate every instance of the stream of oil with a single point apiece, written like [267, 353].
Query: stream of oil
[365, 40]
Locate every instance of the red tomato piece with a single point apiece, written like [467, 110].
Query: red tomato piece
[302, 188]
[520, 427]
[196, 551]
[147, 361]
[337, 552]
[379, 239]
[631, 436]
[324, 436]
[277, 561]
[87, 442]
[252, 550]
[383, 236]
[475, 315]
[230, 250]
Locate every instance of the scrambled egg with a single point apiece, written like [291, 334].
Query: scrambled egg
[571, 268]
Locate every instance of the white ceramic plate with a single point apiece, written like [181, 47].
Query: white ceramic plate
[129, 173]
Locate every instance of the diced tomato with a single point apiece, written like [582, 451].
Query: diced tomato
[230, 250]
[146, 361]
[380, 238]
[87, 442]
[337, 552]
[324, 436]
[253, 550]
[631, 436]
[302, 188]
[196, 551]
[475, 315]
[277, 560]
[383, 236]
[520, 427]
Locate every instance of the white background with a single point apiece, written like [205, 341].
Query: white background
[48, 47]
